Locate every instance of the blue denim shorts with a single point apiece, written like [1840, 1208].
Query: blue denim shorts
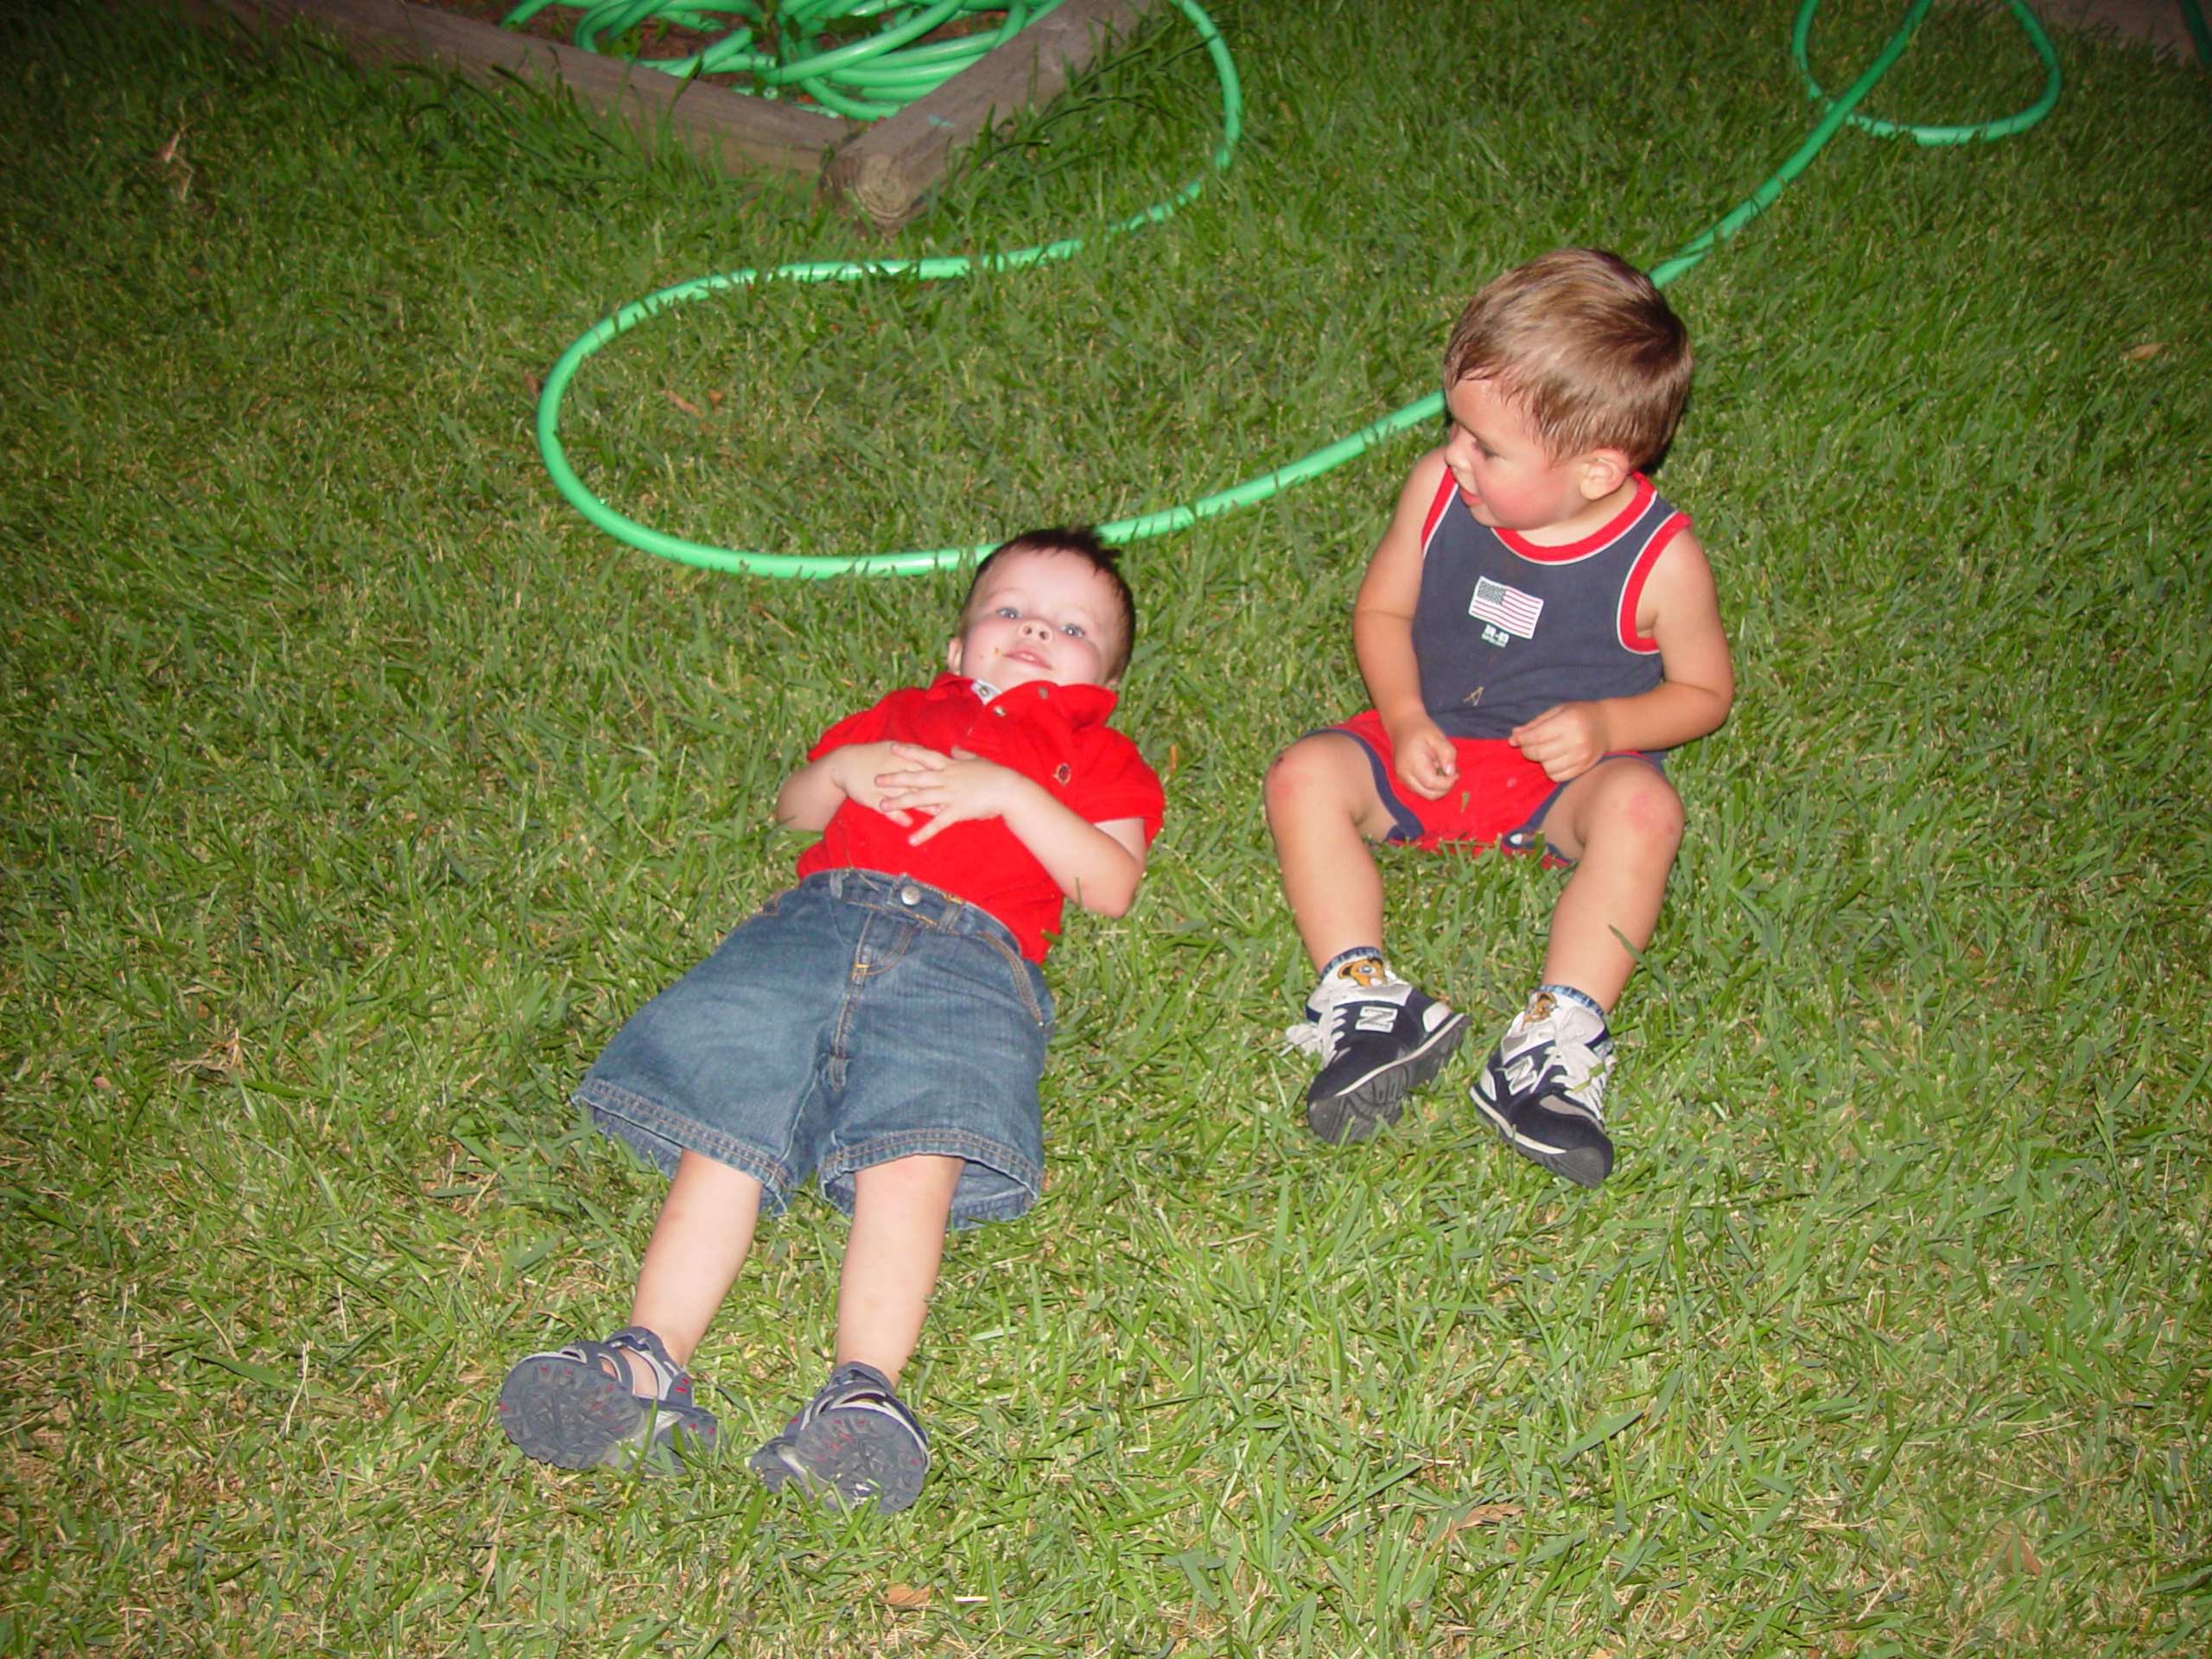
[857, 1019]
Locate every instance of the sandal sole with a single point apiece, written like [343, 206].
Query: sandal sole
[853, 1456]
[570, 1415]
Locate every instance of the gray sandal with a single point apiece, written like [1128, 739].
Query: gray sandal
[854, 1443]
[568, 1408]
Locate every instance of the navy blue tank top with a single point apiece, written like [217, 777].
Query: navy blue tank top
[1506, 629]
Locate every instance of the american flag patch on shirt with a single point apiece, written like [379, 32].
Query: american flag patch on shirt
[1511, 610]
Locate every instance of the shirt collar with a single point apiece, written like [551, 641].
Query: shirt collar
[1082, 705]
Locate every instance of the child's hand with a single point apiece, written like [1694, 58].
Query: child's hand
[852, 770]
[949, 788]
[1425, 761]
[1566, 741]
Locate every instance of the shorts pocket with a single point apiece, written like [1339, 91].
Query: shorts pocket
[1028, 983]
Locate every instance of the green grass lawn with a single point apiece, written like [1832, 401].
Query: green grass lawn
[352, 791]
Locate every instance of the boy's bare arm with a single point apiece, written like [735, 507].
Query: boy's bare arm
[1098, 864]
[1681, 611]
[1382, 636]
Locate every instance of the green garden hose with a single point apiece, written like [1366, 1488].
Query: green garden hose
[775, 46]
[645, 538]
[1838, 112]
[1845, 110]
[2192, 17]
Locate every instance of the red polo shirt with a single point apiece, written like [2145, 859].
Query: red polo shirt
[1055, 736]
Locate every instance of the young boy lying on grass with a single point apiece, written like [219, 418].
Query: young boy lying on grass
[1537, 628]
[883, 1023]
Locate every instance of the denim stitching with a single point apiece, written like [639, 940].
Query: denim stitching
[683, 1132]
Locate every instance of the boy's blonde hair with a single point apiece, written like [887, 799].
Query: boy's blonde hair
[1586, 346]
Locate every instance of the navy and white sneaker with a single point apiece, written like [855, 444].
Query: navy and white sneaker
[1379, 1039]
[1544, 1087]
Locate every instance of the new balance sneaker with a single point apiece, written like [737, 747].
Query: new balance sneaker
[1544, 1087]
[1379, 1039]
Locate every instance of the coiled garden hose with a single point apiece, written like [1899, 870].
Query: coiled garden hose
[1838, 112]
[866, 75]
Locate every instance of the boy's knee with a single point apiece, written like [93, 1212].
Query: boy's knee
[1634, 811]
[1320, 770]
[1322, 782]
[1650, 810]
[1294, 774]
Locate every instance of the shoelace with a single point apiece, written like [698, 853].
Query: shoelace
[1312, 1036]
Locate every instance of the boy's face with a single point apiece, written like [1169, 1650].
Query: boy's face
[1038, 616]
[1506, 476]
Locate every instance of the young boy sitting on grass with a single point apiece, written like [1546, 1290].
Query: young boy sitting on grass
[883, 1023]
[1536, 628]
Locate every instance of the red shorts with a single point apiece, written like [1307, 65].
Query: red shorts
[1499, 799]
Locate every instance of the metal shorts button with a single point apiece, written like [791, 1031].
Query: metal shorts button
[910, 894]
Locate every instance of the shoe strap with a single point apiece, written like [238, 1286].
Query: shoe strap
[854, 1386]
[671, 1381]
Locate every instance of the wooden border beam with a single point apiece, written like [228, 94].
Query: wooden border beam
[889, 172]
[728, 130]
[885, 171]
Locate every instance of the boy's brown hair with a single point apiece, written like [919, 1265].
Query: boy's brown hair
[1586, 346]
[1082, 542]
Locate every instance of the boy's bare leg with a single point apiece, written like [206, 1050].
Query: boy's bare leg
[1622, 822]
[698, 1244]
[1543, 1087]
[556, 1407]
[1322, 811]
[855, 1442]
[1378, 1036]
[900, 1210]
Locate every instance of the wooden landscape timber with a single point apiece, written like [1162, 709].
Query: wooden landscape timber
[885, 172]
[728, 130]
[890, 170]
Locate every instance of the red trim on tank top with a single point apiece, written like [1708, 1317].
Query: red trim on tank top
[1596, 542]
[1446, 490]
[1632, 588]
